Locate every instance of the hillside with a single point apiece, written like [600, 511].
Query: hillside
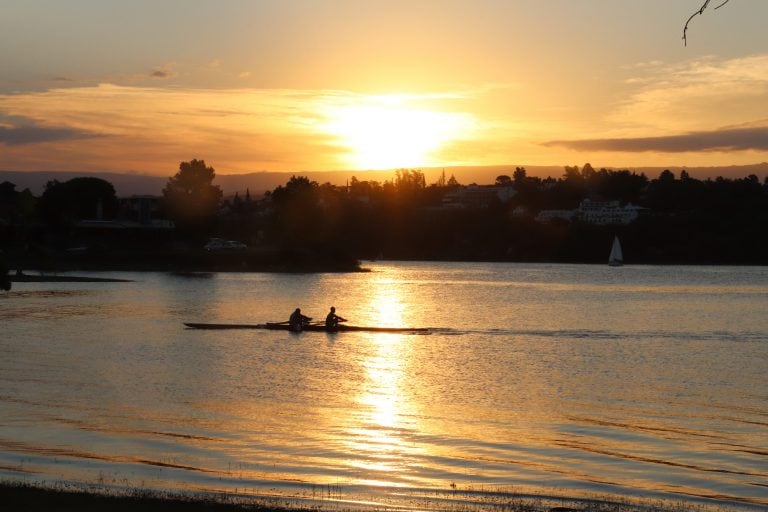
[127, 184]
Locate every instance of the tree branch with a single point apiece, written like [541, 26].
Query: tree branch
[699, 13]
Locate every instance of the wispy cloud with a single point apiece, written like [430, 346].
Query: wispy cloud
[728, 139]
[153, 128]
[696, 95]
[704, 105]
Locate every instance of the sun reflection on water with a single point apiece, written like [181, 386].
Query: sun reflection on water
[381, 431]
[387, 306]
[380, 434]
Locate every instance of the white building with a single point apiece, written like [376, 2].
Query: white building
[599, 213]
[607, 212]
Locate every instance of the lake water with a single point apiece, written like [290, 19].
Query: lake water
[547, 380]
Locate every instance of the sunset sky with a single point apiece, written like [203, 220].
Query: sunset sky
[302, 85]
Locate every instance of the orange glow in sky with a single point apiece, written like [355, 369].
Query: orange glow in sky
[346, 85]
[384, 133]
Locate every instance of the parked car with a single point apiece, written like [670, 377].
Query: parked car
[218, 244]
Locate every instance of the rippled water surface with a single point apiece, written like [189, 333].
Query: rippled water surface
[551, 379]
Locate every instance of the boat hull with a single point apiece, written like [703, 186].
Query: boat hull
[312, 328]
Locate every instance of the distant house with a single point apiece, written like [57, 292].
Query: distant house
[143, 210]
[520, 212]
[138, 225]
[607, 212]
[477, 196]
[547, 216]
[599, 213]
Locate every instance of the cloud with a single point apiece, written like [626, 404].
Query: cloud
[697, 106]
[726, 139]
[152, 128]
[163, 72]
[696, 95]
[17, 131]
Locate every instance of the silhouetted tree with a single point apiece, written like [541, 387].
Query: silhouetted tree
[664, 192]
[363, 189]
[587, 172]
[5, 282]
[297, 189]
[191, 199]
[7, 198]
[667, 176]
[409, 181]
[78, 199]
[298, 215]
[441, 181]
[624, 186]
[519, 176]
[569, 191]
[572, 174]
[18, 215]
[503, 181]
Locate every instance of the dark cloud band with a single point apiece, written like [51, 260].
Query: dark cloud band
[27, 132]
[729, 139]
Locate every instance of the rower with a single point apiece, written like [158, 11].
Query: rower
[332, 320]
[297, 321]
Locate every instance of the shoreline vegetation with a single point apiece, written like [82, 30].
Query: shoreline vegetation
[48, 278]
[24, 496]
[67, 272]
[178, 261]
[305, 226]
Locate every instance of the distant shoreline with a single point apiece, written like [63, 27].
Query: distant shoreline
[181, 263]
[257, 182]
[45, 278]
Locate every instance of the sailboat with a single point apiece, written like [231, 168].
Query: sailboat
[616, 258]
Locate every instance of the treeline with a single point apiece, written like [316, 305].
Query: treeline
[686, 220]
[303, 222]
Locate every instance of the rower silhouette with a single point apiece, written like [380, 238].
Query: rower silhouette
[297, 321]
[332, 320]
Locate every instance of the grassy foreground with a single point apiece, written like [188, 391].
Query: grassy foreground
[18, 497]
[24, 497]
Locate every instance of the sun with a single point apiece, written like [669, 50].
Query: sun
[387, 132]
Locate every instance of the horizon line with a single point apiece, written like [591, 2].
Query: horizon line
[416, 168]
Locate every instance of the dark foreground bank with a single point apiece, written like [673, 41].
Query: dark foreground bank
[22, 497]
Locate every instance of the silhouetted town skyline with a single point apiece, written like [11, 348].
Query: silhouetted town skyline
[303, 224]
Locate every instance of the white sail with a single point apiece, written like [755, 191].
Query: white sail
[616, 258]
